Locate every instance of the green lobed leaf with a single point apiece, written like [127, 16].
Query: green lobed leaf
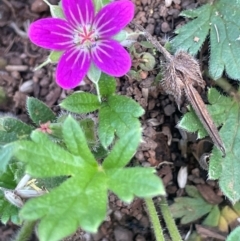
[223, 21]
[74, 201]
[135, 181]
[45, 159]
[80, 102]
[193, 34]
[234, 235]
[119, 114]
[107, 85]
[190, 209]
[81, 198]
[192, 191]
[39, 112]
[123, 150]
[83, 204]
[212, 219]
[8, 212]
[75, 140]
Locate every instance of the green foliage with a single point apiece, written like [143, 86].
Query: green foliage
[212, 219]
[8, 180]
[20, 129]
[224, 111]
[191, 123]
[12, 129]
[94, 73]
[223, 21]
[81, 200]
[107, 85]
[56, 10]
[39, 112]
[234, 235]
[8, 212]
[100, 3]
[117, 114]
[6, 153]
[80, 102]
[189, 209]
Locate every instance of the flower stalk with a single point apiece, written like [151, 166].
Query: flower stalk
[170, 223]
[154, 219]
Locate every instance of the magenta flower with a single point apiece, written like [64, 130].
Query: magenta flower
[85, 37]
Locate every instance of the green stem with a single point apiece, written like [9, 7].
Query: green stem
[170, 223]
[26, 231]
[98, 92]
[154, 219]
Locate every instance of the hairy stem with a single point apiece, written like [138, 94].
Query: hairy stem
[154, 219]
[170, 223]
[26, 231]
[155, 42]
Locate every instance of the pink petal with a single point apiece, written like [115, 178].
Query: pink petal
[51, 33]
[78, 12]
[111, 58]
[113, 17]
[72, 67]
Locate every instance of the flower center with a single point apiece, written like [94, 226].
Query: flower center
[86, 37]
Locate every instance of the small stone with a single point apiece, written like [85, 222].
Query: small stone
[156, 15]
[15, 75]
[150, 28]
[38, 6]
[144, 2]
[122, 234]
[140, 238]
[178, 2]
[165, 27]
[118, 215]
[26, 87]
[169, 109]
[3, 63]
[44, 82]
[174, 12]
[168, 3]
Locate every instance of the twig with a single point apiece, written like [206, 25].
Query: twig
[154, 41]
